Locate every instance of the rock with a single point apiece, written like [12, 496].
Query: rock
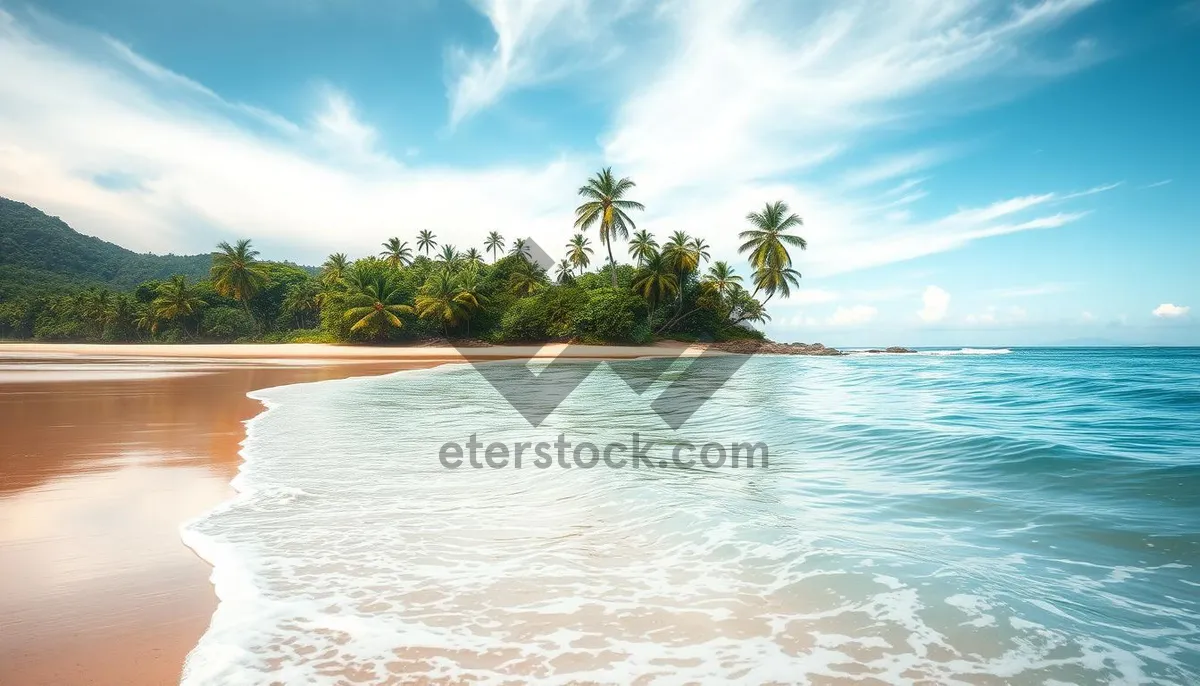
[772, 348]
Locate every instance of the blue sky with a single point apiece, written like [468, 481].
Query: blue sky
[969, 173]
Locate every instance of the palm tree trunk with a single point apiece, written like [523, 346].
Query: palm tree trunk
[611, 262]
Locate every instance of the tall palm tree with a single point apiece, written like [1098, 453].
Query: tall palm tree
[641, 246]
[721, 280]
[605, 205]
[494, 244]
[177, 301]
[334, 268]
[375, 303]
[473, 257]
[303, 302]
[438, 301]
[767, 241]
[426, 241]
[579, 252]
[563, 271]
[449, 257]
[468, 292]
[148, 319]
[397, 253]
[680, 254]
[520, 247]
[656, 281]
[237, 273]
[700, 247]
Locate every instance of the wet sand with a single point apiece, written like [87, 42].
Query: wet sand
[104, 452]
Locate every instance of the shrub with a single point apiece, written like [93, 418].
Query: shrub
[226, 323]
[612, 317]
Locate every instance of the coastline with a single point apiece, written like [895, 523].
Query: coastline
[161, 425]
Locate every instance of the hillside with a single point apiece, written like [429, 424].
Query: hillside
[41, 252]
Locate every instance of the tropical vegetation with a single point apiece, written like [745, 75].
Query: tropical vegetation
[672, 288]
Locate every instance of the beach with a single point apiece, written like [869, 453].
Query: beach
[105, 450]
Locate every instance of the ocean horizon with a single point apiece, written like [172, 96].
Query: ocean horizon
[1013, 516]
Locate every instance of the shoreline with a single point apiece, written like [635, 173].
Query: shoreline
[127, 616]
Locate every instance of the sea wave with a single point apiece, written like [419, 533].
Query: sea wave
[922, 521]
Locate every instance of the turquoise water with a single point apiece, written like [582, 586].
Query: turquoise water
[1022, 518]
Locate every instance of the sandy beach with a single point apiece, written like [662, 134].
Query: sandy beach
[104, 451]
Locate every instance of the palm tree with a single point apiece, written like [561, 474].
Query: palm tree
[699, 247]
[524, 279]
[426, 241]
[605, 205]
[473, 257]
[641, 246]
[494, 244]
[176, 301]
[680, 254]
[767, 241]
[148, 319]
[237, 273]
[468, 292]
[449, 258]
[438, 300]
[563, 271]
[303, 302]
[721, 280]
[374, 303]
[396, 253]
[95, 306]
[520, 247]
[656, 281]
[579, 252]
[744, 307]
[334, 268]
[773, 278]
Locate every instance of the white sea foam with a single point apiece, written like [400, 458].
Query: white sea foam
[967, 351]
[350, 555]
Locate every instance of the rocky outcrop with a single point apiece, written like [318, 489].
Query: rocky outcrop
[772, 348]
[893, 349]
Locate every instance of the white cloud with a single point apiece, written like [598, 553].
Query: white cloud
[994, 315]
[1157, 184]
[1087, 317]
[768, 87]
[852, 316]
[892, 167]
[935, 302]
[204, 173]
[536, 41]
[1169, 311]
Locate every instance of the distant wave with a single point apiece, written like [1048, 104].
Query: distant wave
[968, 351]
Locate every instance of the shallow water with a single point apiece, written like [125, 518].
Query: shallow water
[1026, 518]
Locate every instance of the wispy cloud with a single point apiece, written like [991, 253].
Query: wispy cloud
[770, 89]
[1156, 184]
[536, 41]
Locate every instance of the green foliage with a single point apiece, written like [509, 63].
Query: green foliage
[45, 248]
[226, 324]
[58, 285]
[612, 316]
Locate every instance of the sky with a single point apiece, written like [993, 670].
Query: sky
[969, 173]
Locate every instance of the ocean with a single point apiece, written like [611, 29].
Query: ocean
[1025, 516]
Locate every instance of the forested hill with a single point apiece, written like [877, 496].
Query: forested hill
[40, 252]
